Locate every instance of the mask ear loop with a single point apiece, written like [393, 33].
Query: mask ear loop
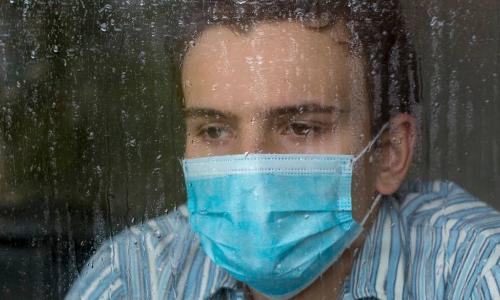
[368, 147]
[374, 204]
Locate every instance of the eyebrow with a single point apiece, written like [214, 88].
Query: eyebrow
[304, 108]
[207, 113]
[275, 112]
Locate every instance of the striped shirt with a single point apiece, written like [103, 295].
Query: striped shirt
[429, 241]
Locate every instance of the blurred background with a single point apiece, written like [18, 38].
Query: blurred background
[91, 126]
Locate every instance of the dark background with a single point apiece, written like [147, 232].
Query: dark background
[91, 128]
[458, 43]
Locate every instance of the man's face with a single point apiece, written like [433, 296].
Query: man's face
[280, 88]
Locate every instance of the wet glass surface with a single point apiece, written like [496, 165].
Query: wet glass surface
[91, 125]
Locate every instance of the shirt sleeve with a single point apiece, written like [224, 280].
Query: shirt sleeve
[130, 264]
[100, 277]
[471, 253]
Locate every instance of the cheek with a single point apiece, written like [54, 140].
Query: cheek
[357, 128]
[320, 145]
[196, 149]
[363, 187]
[191, 150]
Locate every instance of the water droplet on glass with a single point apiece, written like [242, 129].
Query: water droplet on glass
[259, 60]
[103, 27]
[473, 39]
[131, 143]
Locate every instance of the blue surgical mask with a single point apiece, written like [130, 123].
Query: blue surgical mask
[274, 221]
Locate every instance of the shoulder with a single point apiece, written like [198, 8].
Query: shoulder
[130, 263]
[441, 204]
[452, 235]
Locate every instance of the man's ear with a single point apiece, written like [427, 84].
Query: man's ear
[396, 153]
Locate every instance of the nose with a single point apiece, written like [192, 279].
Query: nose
[252, 138]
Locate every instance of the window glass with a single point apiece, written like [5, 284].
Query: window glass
[89, 134]
[93, 125]
[460, 77]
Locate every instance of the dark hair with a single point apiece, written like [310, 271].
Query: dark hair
[375, 26]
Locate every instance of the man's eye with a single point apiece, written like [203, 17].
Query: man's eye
[302, 129]
[215, 132]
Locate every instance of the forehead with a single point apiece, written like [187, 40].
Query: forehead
[271, 64]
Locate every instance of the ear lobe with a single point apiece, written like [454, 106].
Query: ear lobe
[396, 154]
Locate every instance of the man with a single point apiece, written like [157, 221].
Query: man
[291, 107]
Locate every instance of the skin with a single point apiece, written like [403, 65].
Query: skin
[284, 88]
